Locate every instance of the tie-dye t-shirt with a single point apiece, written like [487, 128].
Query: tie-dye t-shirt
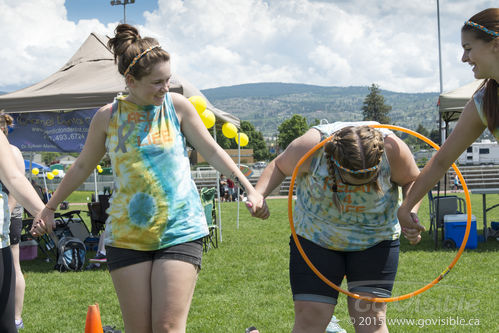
[4, 220]
[155, 203]
[368, 218]
[478, 98]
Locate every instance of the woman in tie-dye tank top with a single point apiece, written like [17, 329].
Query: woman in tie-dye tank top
[480, 41]
[156, 222]
[347, 197]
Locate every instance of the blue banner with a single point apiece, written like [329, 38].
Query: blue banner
[60, 131]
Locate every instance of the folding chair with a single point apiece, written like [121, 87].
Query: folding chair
[440, 206]
[98, 215]
[208, 202]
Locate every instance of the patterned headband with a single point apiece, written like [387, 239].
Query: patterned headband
[137, 58]
[481, 27]
[355, 172]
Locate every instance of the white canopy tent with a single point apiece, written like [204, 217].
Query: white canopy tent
[451, 103]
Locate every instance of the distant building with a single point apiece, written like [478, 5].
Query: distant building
[246, 156]
[484, 152]
[67, 160]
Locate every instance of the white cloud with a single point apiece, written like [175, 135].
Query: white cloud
[224, 42]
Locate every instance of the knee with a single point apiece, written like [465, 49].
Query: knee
[312, 317]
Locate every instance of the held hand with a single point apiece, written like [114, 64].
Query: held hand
[411, 228]
[257, 206]
[43, 223]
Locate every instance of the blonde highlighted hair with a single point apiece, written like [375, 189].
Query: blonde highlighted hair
[7, 119]
[354, 148]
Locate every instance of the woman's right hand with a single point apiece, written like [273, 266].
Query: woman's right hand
[409, 222]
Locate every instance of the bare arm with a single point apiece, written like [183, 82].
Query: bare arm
[15, 180]
[92, 152]
[404, 172]
[197, 134]
[284, 164]
[19, 164]
[467, 130]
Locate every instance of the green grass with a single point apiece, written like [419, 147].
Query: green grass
[245, 282]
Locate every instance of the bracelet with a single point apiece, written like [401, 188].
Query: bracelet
[49, 208]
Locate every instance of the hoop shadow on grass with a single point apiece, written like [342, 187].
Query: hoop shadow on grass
[357, 296]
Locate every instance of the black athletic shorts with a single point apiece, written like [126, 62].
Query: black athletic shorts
[372, 270]
[16, 226]
[191, 252]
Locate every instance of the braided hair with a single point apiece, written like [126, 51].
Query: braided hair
[354, 148]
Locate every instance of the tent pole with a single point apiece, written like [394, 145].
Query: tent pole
[219, 215]
[239, 166]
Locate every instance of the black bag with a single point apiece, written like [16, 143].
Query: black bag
[71, 254]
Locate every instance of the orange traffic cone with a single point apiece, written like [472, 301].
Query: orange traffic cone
[93, 323]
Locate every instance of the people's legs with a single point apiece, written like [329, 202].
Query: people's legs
[7, 292]
[371, 272]
[367, 317]
[20, 283]
[312, 317]
[314, 300]
[133, 287]
[15, 229]
[172, 283]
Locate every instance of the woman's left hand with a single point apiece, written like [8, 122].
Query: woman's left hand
[413, 235]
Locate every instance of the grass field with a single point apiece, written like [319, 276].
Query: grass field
[245, 282]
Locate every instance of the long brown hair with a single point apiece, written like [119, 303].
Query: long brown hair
[489, 18]
[355, 148]
[127, 44]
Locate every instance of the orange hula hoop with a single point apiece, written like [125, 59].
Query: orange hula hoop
[379, 299]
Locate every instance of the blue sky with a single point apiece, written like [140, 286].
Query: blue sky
[106, 13]
[217, 43]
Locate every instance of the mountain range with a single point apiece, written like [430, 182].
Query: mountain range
[267, 105]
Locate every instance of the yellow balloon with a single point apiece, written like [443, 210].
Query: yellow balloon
[55, 172]
[208, 118]
[199, 103]
[229, 130]
[50, 175]
[35, 171]
[99, 170]
[244, 139]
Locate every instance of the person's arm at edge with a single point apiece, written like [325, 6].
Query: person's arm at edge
[16, 181]
[467, 130]
[19, 164]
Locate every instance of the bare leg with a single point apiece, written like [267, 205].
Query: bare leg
[367, 317]
[312, 317]
[133, 287]
[173, 285]
[20, 283]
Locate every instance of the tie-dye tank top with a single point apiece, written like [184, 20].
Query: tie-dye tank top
[155, 203]
[478, 99]
[4, 220]
[368, 218]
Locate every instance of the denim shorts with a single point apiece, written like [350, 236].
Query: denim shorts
[191, 252]
[372, 270]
